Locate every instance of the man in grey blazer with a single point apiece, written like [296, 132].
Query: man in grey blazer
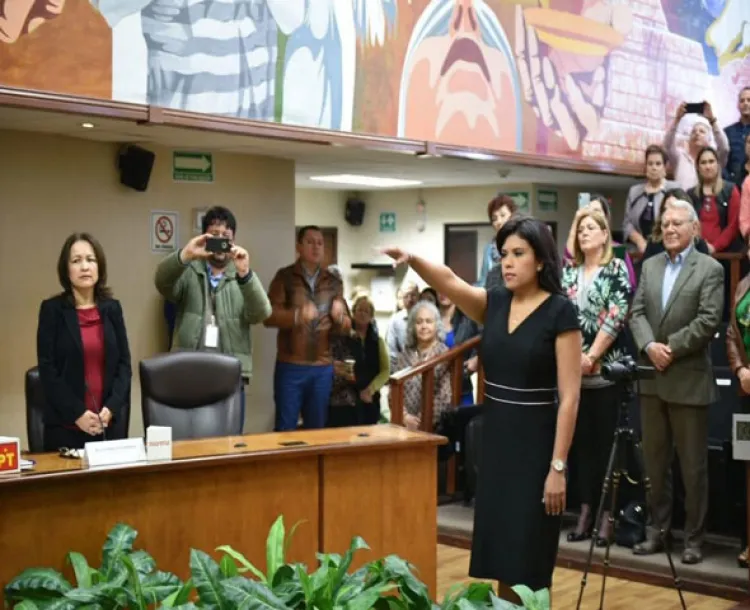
[676, 311]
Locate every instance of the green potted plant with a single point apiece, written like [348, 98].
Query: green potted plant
[128, 578]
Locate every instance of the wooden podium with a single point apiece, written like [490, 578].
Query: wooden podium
[377, 482]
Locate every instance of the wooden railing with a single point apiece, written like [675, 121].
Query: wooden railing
[454, 357]
[735, 259]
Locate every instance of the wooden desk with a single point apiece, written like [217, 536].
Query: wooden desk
[382, 487]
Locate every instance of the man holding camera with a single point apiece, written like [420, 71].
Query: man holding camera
[216, 293]
[676, 311]
[308, 305]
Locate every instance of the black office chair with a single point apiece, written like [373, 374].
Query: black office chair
[34, 410]
[197, 394]
[35, 405]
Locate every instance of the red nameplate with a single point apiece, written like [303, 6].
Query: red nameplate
[9, 457]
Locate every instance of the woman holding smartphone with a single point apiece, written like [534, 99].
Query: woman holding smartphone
[82, 349]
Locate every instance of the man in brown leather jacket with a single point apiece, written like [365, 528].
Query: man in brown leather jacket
[307, 305]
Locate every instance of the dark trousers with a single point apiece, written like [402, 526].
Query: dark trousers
[592, 442]
[361, 414]
[301, 388]
[667, 426]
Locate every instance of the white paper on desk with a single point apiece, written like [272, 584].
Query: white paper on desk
[159, 443]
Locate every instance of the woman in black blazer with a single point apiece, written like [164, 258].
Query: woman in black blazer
[82, 349]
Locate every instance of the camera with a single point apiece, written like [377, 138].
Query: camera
[623, 370]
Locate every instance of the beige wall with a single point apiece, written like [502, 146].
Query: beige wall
[52, 186]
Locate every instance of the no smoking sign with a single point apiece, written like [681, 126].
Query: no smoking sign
[163, 231]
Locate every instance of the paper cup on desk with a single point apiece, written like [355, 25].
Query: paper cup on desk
[158, 443]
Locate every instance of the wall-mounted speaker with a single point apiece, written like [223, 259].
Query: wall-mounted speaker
[354, 212]
[135, 165]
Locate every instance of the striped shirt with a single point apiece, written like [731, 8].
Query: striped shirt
[213, 56]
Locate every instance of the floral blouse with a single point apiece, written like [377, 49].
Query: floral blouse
[413, 387]
[604, 306]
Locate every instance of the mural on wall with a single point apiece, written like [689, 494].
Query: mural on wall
[588, 79]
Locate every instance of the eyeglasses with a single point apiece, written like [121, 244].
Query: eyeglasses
[71, 454]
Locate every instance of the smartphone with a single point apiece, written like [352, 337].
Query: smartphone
[218, 245]
[695, 107]
[583, 200]
[619, 251]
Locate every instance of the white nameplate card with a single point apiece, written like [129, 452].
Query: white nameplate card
[10, 454]
[741, 436]
[158, 443]
[114, 453]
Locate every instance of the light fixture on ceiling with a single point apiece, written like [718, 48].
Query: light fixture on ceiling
[87, 125]
[372, 181]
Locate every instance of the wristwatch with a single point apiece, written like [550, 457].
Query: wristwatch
[558, 465]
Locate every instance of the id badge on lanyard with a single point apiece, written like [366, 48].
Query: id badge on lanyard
[212, 334]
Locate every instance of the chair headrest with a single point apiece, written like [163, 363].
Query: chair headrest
[190, 379]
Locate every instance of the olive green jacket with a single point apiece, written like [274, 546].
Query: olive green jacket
[238, 305]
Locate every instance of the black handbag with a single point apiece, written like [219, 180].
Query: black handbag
[631, 525]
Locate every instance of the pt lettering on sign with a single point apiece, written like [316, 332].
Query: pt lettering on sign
[8, 456]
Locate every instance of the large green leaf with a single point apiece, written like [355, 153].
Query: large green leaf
[26, 604]
[38, 585]
[290, 536]
[81, 568]
[275, 548]
[104, 595]
[179, 597]
[415, 591]
[242, 560]
[206, 576]
[366, 599]
[250, 594]
[143, 562]
[306, 584]
[119, 541]
[338, 577]
[532, 600]
[134, 579]
[158, 586]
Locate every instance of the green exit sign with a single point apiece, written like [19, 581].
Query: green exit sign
[388, 222]
[192, 166]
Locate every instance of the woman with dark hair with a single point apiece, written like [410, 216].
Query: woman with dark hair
[499, 210]
[82, 349]
[355, 397]
[717, 203]
[598, 204]
[429, 294]
[644, 200]
[531, 354]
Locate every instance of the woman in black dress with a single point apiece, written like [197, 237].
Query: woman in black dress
[531, 353]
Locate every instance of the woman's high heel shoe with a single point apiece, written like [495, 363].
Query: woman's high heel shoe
[583, 528]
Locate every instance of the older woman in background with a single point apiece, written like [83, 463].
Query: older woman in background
[82, 349]
[598, 284]
[425, 339]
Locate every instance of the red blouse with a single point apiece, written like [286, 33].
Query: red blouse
[711, 230]
[92, 335]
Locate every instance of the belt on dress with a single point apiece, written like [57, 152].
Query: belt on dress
[496, 392]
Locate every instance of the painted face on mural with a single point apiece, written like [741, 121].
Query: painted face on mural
[458, 84]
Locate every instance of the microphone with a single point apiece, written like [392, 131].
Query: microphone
[96, 411]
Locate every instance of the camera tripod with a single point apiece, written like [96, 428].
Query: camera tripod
[616, 468]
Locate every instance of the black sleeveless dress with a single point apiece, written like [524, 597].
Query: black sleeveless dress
[515, 541]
